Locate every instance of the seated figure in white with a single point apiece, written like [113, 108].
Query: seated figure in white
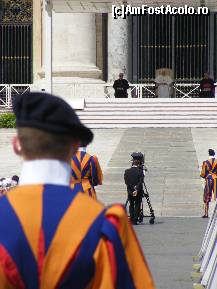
[163, 84]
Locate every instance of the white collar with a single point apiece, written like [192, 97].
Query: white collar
[82, 149]
[45, 172]
[212, 157]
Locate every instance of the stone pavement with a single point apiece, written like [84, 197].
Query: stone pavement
[172, 178]
[173, 158]
[10, 164]
[169, 246]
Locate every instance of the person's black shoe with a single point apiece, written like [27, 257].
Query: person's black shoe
[204, 216]
[135, 223]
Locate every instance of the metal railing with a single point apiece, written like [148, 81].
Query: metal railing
[146, 90]
[9, 91]
[180, 90]
[100, 90]
[4, 96]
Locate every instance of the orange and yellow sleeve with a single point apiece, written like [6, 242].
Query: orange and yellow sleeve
[203, 170]
[103, 278]
[107, 258]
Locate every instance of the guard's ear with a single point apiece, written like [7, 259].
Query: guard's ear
[16, 145]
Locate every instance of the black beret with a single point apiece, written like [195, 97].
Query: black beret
[211, 152]
[49, 113]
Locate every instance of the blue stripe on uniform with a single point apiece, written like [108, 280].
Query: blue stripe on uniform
[95, 180]
[82, 269]
[74, 175]
[82, 155]
[77, 162]
[124, 277]
[13, 238]
[86, 169]
[209, 165]
[56, 200]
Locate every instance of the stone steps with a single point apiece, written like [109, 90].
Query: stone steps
[5, 110]
[125, 113]
[146, 118]
[147, 112]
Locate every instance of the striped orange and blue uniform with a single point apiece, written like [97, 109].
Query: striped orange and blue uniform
[53, 237]
[209, 173]
[86, 171]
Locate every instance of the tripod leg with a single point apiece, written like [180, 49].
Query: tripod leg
[127, 201]
[148, 201]
[127, 209]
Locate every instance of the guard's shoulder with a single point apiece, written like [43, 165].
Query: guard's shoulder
[87, 155]
[81, 153]
[88, 201]
[94, 157]
[116, 210]
[5, 199]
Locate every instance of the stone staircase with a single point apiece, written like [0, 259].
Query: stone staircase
[124, 113]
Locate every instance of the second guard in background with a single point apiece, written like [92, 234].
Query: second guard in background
[86, 171]
[209, 173]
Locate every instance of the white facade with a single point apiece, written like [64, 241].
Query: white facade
[69, 40]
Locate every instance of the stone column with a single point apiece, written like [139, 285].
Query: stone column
[74, 45]
[48, 51]
[37, 38]
[117, 47]
[74, 67]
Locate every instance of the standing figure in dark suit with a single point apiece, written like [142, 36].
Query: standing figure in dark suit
[134, 180]
[207, 86]
[120, 86]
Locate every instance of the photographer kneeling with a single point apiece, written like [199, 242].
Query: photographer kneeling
[134, 178]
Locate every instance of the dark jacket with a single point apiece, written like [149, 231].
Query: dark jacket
[120, 86]
[134, 177]
[207, 88]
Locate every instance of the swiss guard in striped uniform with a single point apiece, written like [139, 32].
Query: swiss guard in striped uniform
[86, 171]
[209, 173]
[52, 236]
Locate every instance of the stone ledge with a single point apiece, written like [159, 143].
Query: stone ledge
[82, 73]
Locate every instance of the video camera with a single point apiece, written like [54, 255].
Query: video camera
[141, 158]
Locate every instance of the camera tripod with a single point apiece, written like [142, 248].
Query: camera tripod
[141, 213]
